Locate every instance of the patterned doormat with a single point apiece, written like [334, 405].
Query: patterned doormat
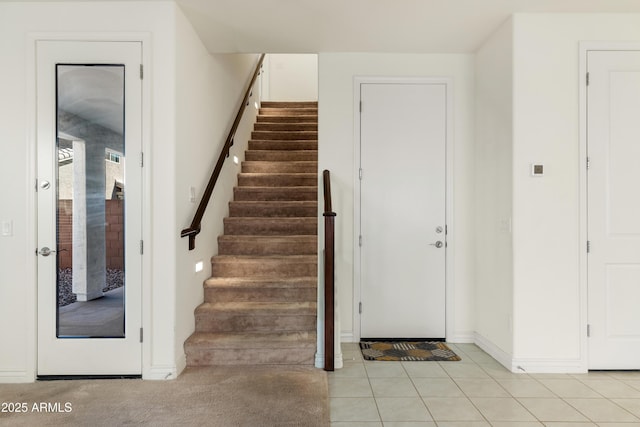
[407, 350]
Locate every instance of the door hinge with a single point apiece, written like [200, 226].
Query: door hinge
[360, 307]
[141, 72]
[141, 247]
[588, 330]
[587, 79]
[588, 163]
[588, 246]
[141, 335]
[360, 240]
[141, 159]
[360, 174]
[360, 107]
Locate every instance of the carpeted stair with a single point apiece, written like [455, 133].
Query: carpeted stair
[260, 303]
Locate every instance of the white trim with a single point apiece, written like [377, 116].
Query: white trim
[522, 366]
[494, 351]
[162, 372]
[449, 208]
[144, 38]
[181, 364]
[547, 366]
[585, 47]
[337, 360]
[461, 337]
[347, 336]
[15, 377]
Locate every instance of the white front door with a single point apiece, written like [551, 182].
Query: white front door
[402, 209]
[613, 145]
[89, 129]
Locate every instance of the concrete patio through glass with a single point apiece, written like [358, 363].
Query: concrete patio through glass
[101, 317]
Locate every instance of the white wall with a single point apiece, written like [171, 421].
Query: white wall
[548, 322]
[336, 153]
[290, 77]
[181, 122]
[493, 196]
[209, 89]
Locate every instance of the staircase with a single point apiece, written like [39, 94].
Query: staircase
[260, 303]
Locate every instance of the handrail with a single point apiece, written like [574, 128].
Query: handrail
[329, 274]
[194, 229]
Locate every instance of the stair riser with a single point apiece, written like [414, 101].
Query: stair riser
[275, 127]
[288, 119]
[264, 282]
[286, 356]
[277, 180]
[283, 145]
[260, 294]
[285, 136]
[289, 104]
[288, 111]
[279, 167]
[281, 156]
[217, 322]
[270, 227]
[240, 209]
[275, 194]
[263, 269]
[230, 247]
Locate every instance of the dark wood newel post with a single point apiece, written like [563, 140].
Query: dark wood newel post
[329, 256]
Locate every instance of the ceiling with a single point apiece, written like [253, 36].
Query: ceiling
[404, 26]
[314, 26]
[409, 26]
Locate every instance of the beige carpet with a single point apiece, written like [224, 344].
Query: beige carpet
[207, 396]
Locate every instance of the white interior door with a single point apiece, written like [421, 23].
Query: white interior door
[613, 144]
[402, 207]
[89, 207]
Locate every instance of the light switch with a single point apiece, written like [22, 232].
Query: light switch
[6, 228]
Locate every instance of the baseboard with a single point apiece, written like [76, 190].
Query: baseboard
[161, 372]
[337, 361]
[347, 336]
[530, 366]
[461, 337]
[181, 364]
[15, 377]
[494, 351]
[549, 366]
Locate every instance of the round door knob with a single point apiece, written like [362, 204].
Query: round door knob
[437, 244]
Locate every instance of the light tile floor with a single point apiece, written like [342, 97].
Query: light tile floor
[476, 392]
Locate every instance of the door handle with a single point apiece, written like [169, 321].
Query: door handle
[437, 244]
[45, 251]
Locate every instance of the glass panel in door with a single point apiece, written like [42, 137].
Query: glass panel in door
[90, 201]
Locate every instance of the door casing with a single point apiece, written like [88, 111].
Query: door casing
[584, 48]
[148, 372]
[449, 208]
